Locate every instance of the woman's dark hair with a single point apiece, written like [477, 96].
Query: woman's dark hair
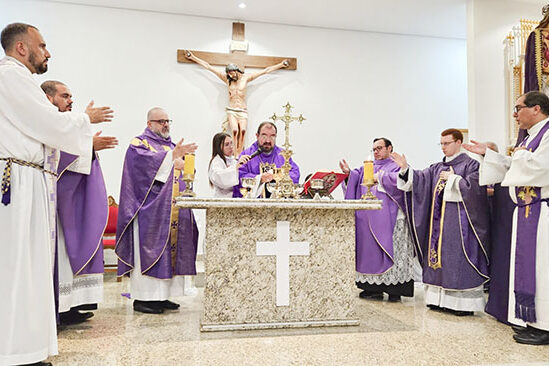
[217, 148]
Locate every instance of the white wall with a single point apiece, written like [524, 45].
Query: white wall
[351, 86]
[489, 22]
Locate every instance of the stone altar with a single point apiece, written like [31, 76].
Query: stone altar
[278, 263]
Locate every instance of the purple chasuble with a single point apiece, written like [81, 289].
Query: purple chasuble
[82, 210]
[374, 228]
[452, 237]
[143, 197]
[251, 168]
[528, 213]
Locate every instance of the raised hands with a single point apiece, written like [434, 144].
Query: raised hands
[476, 147]
[344, 166]
[400, 160]
[181, 149]
[104, 142]
[99, 114]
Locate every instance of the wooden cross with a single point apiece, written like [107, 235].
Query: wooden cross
[239, 57]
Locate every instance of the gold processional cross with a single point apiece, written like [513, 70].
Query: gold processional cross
[287, 119]
[238, 55]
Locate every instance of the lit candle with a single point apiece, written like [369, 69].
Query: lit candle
[188, 167]
[368, 171]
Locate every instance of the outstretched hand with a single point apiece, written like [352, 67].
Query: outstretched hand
[344, 166]
[181, 149]
[99, 114]
[104, 142]
[476, 147]
[400, 160]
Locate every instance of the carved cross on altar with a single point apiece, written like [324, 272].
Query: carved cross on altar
[238, 54]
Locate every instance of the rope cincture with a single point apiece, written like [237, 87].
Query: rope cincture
[6, 177]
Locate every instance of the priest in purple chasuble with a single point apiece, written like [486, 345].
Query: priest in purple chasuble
[450, 219]
[384, 246]
[264, 151]
[81, 219]
[526, 174]
[156, 242]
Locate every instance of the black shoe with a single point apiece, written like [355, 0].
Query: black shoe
[87, 307]
[394, 298]
[167, 305]
[371, 295]
[434, 307]
[147, 307]
[41, 363]
[532, 336]
[461, 312]
[518, 329]
[72, 317]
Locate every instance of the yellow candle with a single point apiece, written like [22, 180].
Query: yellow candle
[188, 167]
[368, 171]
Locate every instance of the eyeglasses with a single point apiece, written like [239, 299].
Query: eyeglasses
[446, 143]
[519, 107]
[162, 121]
[378, 148]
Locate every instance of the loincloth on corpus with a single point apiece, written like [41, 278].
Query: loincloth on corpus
[237, 113]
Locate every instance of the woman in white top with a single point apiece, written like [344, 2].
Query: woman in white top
[223, 171]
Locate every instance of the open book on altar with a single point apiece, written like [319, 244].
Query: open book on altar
[331, 180]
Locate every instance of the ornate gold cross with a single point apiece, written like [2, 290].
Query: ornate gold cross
[526, 194]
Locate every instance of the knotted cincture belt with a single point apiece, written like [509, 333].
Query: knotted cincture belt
[6, 177]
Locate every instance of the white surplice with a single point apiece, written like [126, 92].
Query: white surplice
[82, 289]
[223, 176]
[29, 127]
[526, 168]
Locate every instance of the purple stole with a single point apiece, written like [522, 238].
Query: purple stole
[168, 236]
[528, 212]
[82, 211]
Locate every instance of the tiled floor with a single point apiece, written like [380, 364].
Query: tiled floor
[404, 333]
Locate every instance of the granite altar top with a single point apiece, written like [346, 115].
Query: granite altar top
[195, 202]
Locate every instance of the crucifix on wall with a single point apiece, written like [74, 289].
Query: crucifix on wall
[235, 78]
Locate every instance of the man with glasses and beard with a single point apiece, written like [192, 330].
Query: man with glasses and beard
[81, 218]
[265, 154]
[450, 220]
[384, 246]
[156, 242]
[32, 131]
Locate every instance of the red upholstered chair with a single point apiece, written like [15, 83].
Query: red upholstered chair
[109, 236]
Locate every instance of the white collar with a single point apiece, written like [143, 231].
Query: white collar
[448, 159]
